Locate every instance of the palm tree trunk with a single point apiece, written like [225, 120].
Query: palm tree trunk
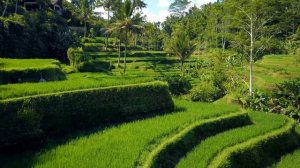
[16, 7]
[84, 27]
[4, 11]
[125, 54]
[106, 46]
[119, 56]
[251, 59]
[181, 66]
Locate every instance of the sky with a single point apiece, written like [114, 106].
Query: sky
[157, 10]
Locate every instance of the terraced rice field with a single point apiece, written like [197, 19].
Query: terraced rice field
[13, 64]
[199, 132]
[274, 69]
[291, 160]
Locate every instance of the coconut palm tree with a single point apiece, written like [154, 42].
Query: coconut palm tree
[85, 8]
[126, 24]
[180, 46]
[115, 29]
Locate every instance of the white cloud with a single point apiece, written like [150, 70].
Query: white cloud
[163, 3]
[155, 17]
[202, 2]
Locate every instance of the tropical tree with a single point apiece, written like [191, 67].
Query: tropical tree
[139, 4]
[178, 7]
[129, 23]
[116, 30]
[180, 46]
[107, 5]
[86, 8]
[5, 7]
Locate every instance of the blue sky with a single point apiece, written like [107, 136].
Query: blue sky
[157, 10]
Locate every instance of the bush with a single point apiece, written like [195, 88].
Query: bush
[94, 66]
[206, 92]
[285, 99]
[64, 112]
[75, 56]
[40, 34]
[178, 85]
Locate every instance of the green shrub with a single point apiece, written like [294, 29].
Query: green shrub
[206, 92]
[178, 85]
[94, 66]
[67, 111]
[285, 99]
[75, 56]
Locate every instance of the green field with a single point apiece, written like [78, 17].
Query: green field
[120, 146]
[127, 144]
[215, 84]
[198, 134]
[15, 64]
[274, 69]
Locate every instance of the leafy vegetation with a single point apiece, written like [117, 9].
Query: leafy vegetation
[283, 100]
[223, 52]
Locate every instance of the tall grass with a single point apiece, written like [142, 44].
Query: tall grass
[273, 69]
[121, 146]
[9, 64]
[75, 81]
[203, 154]
[291, 160]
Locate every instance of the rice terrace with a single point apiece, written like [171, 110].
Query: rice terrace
[149, 83]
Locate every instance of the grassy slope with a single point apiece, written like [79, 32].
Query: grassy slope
[8, 64]
[291, 160]
[274, 69]
[202, 155]
[74, 82]
[120, 146]
[137, 72]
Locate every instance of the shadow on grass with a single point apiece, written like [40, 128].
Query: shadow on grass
[28, 156]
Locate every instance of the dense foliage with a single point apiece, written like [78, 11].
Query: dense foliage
[285, 99]
[226, 24]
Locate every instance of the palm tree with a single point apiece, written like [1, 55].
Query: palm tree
[85, 7]
[107, 5]
[116, 30]
[139, 4]
[180, 46]
[126, 24]
[5, 7]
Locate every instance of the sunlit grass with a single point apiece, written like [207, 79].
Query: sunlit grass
[203, 154]
[9, 64]
[120, 146]
[74, 82]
